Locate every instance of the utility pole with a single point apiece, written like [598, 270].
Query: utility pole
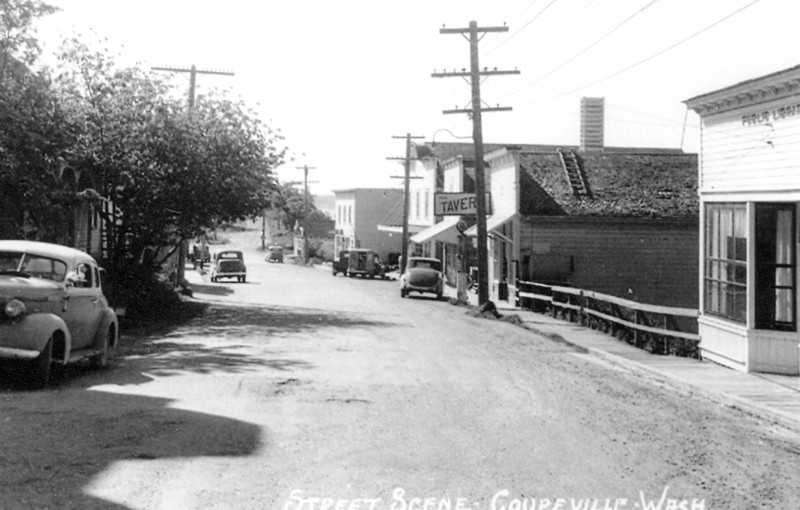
[305, 169]
[474, 75]
[406, 197]
[193, 72]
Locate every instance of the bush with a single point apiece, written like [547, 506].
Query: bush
[145, 296]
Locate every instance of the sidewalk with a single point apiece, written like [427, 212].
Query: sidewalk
[774, 397]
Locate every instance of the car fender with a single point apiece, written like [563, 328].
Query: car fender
[108, 318]
[38, 328]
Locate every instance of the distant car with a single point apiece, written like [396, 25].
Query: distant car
[200, 254]
[229, 264]
[423, 275]
[52, 309]
[340, 264]
[364, 263]
[275, 254]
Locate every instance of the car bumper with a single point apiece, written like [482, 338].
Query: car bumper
[12, 353]
[417, 288]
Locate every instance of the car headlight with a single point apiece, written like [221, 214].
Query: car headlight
[14, 308]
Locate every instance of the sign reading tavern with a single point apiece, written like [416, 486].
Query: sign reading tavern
[458, 204]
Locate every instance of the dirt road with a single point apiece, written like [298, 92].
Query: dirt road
[299, 390]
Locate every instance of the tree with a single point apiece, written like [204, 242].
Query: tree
[32, 131]
[292, 204]
[169, 172]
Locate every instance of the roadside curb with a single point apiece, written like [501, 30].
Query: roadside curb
[693, 389]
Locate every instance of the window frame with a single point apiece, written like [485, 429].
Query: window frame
[766, 268]
[725, 274]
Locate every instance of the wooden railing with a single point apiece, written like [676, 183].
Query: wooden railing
[638, 323]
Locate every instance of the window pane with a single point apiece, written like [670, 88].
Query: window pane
[784, 277]
[739, 233]
[712, 296]
[740, 312]
[726, 232]
[712, 232]
[740, 274]
[784, 305]
[783, 238]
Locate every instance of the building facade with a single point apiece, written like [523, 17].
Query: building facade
[749, 196]
[358, 212]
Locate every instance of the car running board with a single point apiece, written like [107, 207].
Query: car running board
[80, 354]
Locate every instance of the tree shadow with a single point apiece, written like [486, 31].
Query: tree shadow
[223, 338]
[57, 443]
[213, 290]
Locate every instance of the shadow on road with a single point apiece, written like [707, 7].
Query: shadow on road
[58, 443]
[213, 290]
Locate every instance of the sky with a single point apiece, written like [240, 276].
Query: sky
[342, 79]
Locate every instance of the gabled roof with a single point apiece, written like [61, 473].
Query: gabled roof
[772, 86]
[394, 215]
[626, 182]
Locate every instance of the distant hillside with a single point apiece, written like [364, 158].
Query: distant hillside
[326, 203]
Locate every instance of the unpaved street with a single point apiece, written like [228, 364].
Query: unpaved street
[298, 390]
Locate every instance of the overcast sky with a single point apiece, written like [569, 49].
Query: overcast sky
[341, 77]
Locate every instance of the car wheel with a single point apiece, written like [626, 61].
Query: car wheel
[439, 296]
[403, 293]
[244, 279]
[40, 367]
[101, 360]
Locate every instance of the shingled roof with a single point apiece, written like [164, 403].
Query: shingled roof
[626, 182]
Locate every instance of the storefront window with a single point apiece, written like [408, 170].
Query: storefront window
[775, 266]
[725, 272]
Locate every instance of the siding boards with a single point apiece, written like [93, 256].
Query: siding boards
[649, 261]
[740, 157]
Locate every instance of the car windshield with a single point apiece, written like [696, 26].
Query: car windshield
[230, 255]
[425, 264]
[33, 265]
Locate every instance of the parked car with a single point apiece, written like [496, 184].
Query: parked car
[200, 254]
[229, 264]
[275, 254]
[52, 309]
[341, 262]
[364, 263]
[423, 275]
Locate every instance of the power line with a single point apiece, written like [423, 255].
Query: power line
[570, 20]
[595, 43]
[651, 57]
[523, 27]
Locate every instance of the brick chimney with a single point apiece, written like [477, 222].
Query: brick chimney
[592, 122]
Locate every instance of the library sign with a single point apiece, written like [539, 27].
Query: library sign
[458, 204]
[766, 116]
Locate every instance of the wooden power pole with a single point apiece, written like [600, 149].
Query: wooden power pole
[193, 72]
[406, 197]
[474, 76]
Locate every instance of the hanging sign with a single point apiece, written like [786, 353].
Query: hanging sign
[458, 204]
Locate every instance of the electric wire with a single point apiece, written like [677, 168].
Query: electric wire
[595, 43]
[651, 57]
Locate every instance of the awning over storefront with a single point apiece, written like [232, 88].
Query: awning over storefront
[492, 223]
[445, 231]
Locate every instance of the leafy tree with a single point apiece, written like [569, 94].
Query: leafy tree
[32, 134]
[293, 205]
[170, 172]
